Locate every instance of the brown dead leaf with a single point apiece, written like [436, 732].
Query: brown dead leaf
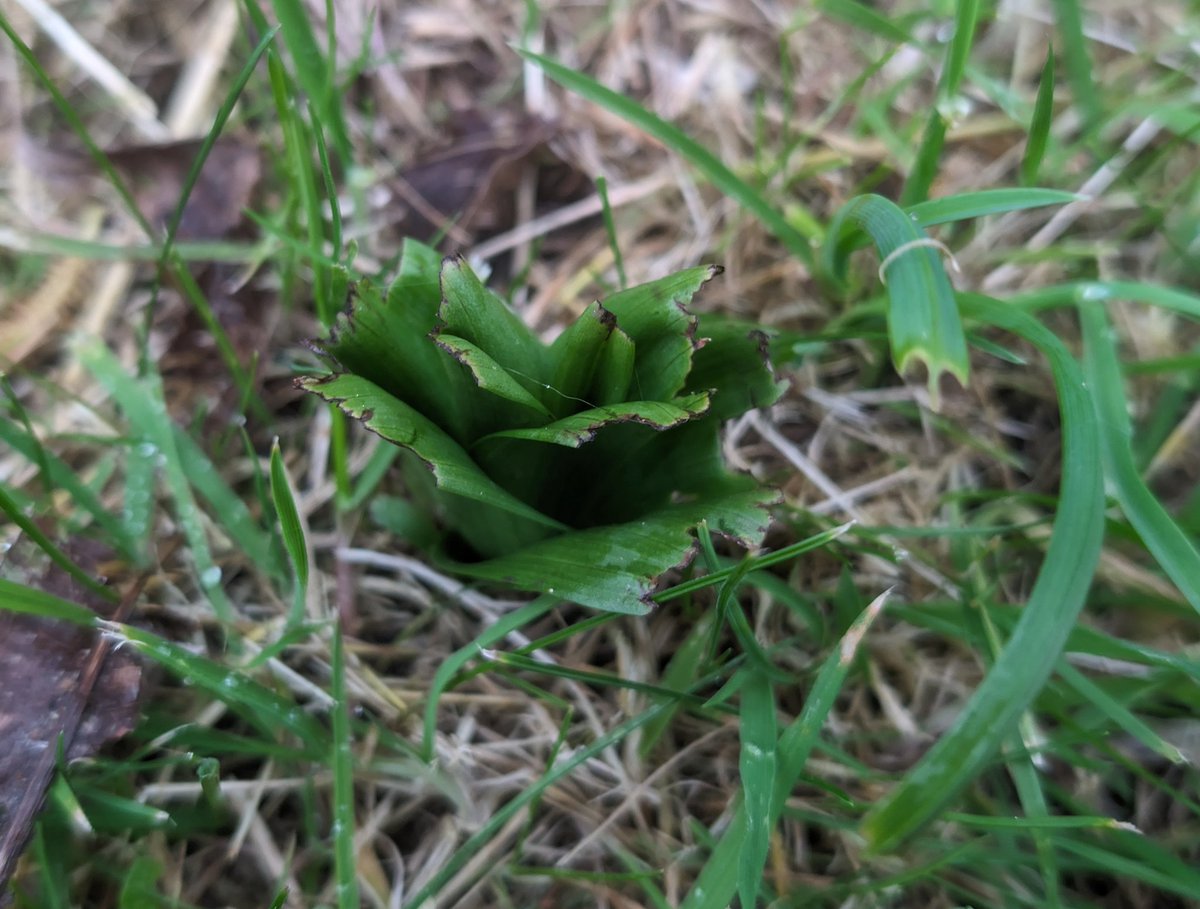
[58, 683]
[223, 189]
[466, 189]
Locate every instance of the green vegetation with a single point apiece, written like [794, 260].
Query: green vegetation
[956, 666]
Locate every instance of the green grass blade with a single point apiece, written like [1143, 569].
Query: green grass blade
[1169, 545]
[1069, 294]
[1039, 126]
[673, 137]
[260, 705]
[450, 666]
[757, 765]
[314, 72]
[966, 16]
[610, 228]
[16, 597]
[1141, 860]
[925, 165]
[1118, 714]
[1054, 603]
[1078, 60]
[60, 476]
[210, 139]
[71, 116]
[923, 319]
[292, 532]
[1028, 784]
[342, 761]
[866, 18]
[143, 405]
[985, 202]
[718, 880]
[9, 507]
[824, 538]
[236, 519]
[141, 482]
[473, 845]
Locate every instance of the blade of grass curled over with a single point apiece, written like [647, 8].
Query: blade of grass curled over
[923, 319]
[1162, 536]
[1058, 595]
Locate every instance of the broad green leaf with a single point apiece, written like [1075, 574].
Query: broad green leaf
[385, 338]
[580, 428]
[614, 568]
[576, 356]
[491, 377]
[734, 364]
[470, 311]
[662, 330]
[452, 469]
[923, 320]
[985, 202]
[614, 372]
[1058, 594]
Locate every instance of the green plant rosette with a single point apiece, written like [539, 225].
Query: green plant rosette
[579, 468]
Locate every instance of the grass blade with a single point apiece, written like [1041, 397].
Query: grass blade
[985, 202]
[1058, 594]
[714, 888]
[58, 475]
[143, 405]
[16, 597]
[673, 137]
[1039, 126]
[925, 167]
[1078, 60]
[292, 532]
[9, 507]
[314, 72]
[1166, 541]
[757, 765]
[528, 613]
[342, 761]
